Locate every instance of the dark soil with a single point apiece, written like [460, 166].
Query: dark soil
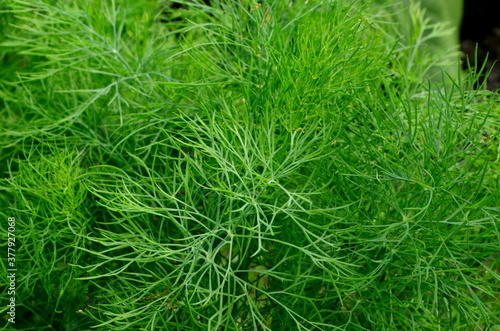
[481, 30]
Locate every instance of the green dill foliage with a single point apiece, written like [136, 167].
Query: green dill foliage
[281, 165]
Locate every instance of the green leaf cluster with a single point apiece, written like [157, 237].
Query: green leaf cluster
[282, 165]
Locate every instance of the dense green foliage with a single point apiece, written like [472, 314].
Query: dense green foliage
[439, 11]
[243, 166]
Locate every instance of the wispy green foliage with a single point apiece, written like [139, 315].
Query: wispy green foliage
[243, 166]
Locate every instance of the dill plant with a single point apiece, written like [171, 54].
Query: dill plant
[244, 166]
